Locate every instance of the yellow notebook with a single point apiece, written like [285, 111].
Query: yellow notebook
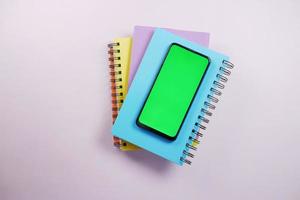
[119, 62]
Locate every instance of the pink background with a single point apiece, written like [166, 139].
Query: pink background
[55, 115]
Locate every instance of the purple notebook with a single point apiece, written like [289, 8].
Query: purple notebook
[142, 35]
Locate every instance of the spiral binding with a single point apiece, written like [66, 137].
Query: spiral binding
[116, 85]
[197, 131]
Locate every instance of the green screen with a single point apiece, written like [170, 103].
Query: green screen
[173, 91]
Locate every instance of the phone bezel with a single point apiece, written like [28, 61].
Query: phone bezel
[153, 130]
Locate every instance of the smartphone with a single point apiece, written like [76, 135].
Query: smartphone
[173, 91]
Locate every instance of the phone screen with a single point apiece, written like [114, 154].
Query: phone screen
[173, 91]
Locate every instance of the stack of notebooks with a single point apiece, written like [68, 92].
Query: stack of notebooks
[165, 84]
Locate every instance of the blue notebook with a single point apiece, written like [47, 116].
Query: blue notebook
[179, 150]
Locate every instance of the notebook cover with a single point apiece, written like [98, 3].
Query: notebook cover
[119, 64]
[142, 35]
[140, 39]
[125, 125]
